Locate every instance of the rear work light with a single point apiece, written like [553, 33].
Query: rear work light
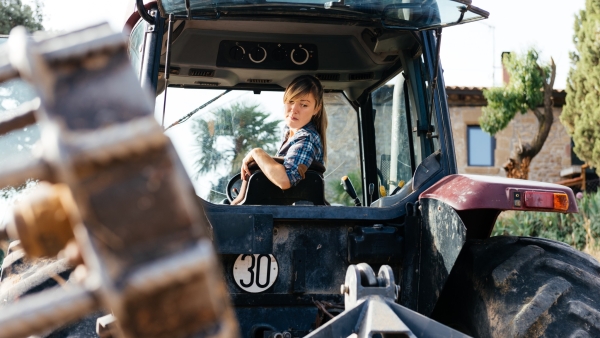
[546, 200]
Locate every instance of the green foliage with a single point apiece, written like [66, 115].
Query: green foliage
[339, 195]
[578, 230]
[14, 13]
[245, 128]
[227, 136]
[522, 93]
[582, 110]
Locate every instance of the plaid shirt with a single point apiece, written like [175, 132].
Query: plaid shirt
[301, 149]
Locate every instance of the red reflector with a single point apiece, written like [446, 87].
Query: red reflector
[539, 199]
[546, 200]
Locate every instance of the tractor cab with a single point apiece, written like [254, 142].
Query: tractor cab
[227, 64]
[218, 71]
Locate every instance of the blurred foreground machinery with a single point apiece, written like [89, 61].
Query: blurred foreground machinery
[114, 192]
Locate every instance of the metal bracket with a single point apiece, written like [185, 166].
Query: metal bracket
[371, 310]
[151, 26]
[143, 12]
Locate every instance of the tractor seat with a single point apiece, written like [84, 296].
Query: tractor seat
[309, 191]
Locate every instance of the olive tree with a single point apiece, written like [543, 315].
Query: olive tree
[14, 13]
[581, 114]
[529, 89]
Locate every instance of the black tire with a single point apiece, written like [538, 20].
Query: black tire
[522, 287]
[22, 276]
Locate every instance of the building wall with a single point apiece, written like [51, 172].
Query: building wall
[546, 166]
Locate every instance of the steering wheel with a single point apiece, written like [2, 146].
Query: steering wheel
[233, 187]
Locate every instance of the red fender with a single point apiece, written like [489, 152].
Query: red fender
[479, 199]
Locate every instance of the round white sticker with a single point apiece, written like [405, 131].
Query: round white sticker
[255, 273]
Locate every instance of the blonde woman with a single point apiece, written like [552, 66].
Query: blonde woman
[304, 137]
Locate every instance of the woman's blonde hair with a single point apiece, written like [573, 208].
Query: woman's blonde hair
[302, 86]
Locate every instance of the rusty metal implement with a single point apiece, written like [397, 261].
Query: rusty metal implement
[116, 188]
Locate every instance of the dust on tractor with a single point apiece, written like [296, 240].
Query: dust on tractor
[118, 241]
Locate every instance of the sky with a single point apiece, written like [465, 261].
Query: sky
[470, 54]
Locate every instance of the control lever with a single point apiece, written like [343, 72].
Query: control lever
[349, 188]
[400, 186]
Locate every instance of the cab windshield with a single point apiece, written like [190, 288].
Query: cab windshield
[405, 14]
[214, 141]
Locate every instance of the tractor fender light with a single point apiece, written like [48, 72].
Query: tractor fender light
[546, 200]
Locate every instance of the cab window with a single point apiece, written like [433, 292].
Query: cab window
[396, 155]
[400, 146]
[214, 141]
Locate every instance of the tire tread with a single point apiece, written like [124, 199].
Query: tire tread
[573, 272]
[522, 287]
[586, 313]
[509, 268]
[533, 311]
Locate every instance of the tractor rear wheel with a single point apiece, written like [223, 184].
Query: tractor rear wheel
[522, 287]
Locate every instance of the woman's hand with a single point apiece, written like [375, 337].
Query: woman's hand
[245, 162]
[274, 171]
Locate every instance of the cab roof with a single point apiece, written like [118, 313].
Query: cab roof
[350, 46]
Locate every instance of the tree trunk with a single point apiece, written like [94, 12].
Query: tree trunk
[520, 160]
[517, 168]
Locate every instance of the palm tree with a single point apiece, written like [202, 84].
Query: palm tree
[228, 135]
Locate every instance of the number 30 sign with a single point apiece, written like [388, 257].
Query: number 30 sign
[255, 273]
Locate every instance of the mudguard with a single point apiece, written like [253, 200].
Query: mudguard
[479, 200]
[461, 207]
[468, 192]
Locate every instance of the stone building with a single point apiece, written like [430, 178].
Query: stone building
[479, 153]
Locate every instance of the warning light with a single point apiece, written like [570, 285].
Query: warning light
[546, 200]
[561, 201]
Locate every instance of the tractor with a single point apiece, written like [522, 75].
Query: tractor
[131, 232]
